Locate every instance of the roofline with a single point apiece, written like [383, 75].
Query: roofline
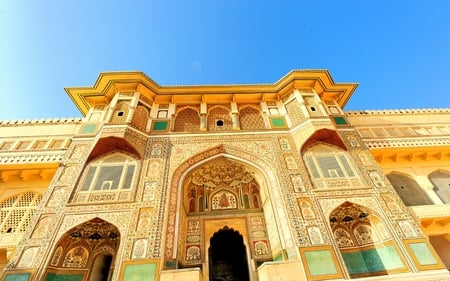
[109, 83]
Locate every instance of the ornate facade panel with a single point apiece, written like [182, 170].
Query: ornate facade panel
[226, 158]
[251, 118]
[187, 120]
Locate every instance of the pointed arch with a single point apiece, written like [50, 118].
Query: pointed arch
[411, 193]
[323, 136]
[140, 117]
[110, 144]
[187, 120]
[219, 118]
[363, 241]
[80, 248]
[250, 118]
[264, 176]
[220, 183]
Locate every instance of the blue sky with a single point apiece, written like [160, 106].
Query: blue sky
[398, 51]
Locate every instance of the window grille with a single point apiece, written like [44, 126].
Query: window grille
[327, 164]
[17, 211]
[110, 173]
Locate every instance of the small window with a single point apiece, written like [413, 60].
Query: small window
[120, 113]
[219, 123]
[162, 114]
[274, 111]
[313, 108]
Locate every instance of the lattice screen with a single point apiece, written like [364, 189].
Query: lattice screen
[17, 211]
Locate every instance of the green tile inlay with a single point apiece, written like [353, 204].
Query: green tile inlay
[422, 253]
[278, 122]
[87, 129]
[141, 272]
[320, 262]
[63, 277]
[372, 260]
[160, 126]
[355, 263]
[340, 120]
[18, 277]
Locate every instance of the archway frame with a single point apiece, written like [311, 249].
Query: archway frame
[68, 222]
[264, 174]
[103, 247]
[330, 205]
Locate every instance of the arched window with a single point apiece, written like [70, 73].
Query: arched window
[16, 212]
[219, 118]
[326, 163]
[108, 178]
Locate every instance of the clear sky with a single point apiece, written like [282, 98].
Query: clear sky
[398, 51]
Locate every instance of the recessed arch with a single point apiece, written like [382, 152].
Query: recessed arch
[221, 183]
[364, 242]
[264, 176]
[325, 136]
[88, 249]
[110, 144]
[251, 118]
[187, 119]
[219, 118]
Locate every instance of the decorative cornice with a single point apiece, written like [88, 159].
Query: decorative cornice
[409, 142]
[40, 121]
[110, 83]
[31, 157]
[431, 211]
[354, 113]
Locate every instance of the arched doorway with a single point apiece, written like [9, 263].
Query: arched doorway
[85, 252]
[227, 256]
[364, 241]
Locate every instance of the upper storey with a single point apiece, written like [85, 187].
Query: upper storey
[109, 84]
[131, 98]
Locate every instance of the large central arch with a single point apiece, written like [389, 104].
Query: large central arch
[178, 224]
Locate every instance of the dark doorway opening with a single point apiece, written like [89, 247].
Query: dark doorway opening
[227, 257]
[101, 268]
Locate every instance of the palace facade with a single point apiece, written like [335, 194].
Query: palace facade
[225, 182]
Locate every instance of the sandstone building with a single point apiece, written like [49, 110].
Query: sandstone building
[225, 182]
